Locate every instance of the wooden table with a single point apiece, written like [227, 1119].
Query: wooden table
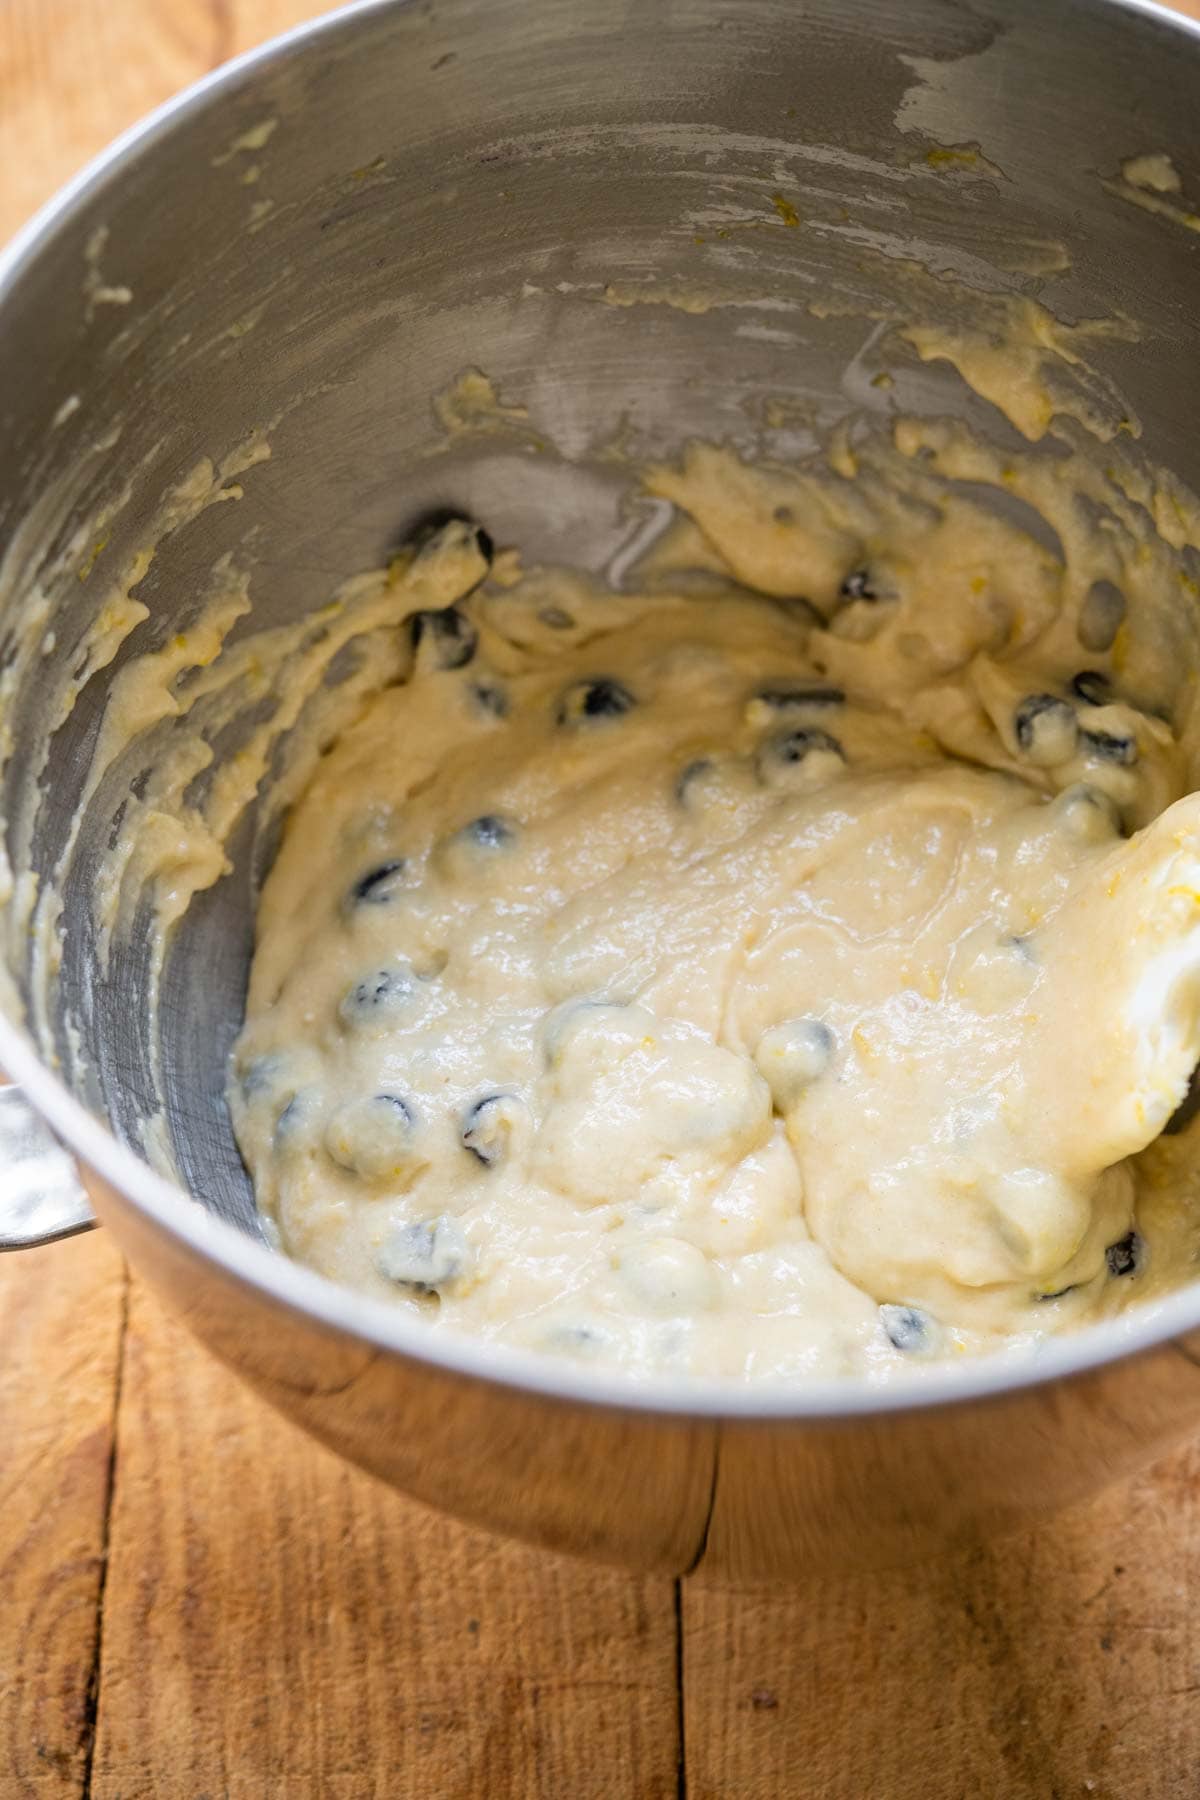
[196, 1601]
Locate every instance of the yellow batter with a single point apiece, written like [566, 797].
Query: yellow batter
[774, 971]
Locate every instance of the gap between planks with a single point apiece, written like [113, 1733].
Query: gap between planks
[93, 1699]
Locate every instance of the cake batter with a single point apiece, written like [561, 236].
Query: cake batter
[774, 971]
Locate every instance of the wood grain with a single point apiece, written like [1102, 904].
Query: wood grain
[278, 1624]
[61, 1311]
[1059, 1664]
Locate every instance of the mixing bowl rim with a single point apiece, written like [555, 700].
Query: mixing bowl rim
[288, 1284]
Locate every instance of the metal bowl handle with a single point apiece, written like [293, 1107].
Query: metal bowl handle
[41, 1196]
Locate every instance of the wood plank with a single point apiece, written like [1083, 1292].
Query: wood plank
[60, 1326]
[276, 1623]
[74, 73]
[1059, 1664]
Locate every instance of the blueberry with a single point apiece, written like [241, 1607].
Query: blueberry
[494, 1127]
[442, 527]
[605, 700]
[692, 777]
[425, 1257]
[297, 1118]
[788, 752]
[1046, 729]
[262, 1074]
[791, 1056]
[613, 1018]
[789, 699]
[1125, 1256]
[1088, 813]
[378, 885]
[794, 746]
[1092, 686]
[376, 996]
[374, 1137]
[1118, 747]
[468, 852]
[290, 1119]
[490, 832]
[859, 585]
[443, 640]
[1100, 616]
[907, 1328]
[490, 698]
[1187, 1109]
[596, 699]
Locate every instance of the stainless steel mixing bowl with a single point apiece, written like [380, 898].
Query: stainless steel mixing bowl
[454, 184]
